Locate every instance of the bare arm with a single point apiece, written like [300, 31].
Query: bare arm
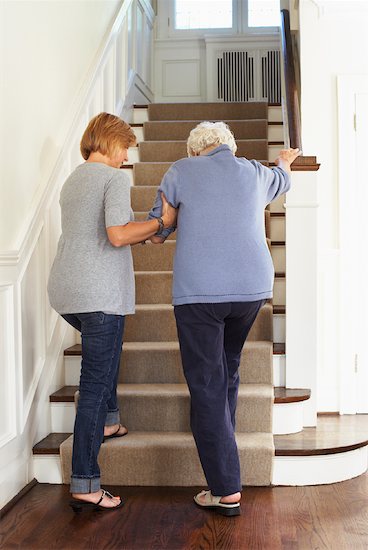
[136, 232]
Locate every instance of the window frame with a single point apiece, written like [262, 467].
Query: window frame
[240, 23]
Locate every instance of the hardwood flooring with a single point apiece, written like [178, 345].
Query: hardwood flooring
[333, 517]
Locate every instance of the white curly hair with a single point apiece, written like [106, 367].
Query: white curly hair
[210, 133]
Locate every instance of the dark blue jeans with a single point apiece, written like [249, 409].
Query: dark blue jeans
[102, 337]
[211, 338]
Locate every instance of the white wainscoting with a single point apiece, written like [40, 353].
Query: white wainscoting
[180, 71]
[7, 366]
[185, 69]
[32, 335]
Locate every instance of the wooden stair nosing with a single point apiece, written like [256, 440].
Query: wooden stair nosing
[282, 395]
[76, 350]
[284, 446]
[269, 103]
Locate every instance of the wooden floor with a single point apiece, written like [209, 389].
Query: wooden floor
[333, 517]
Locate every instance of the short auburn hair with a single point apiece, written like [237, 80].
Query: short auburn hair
[105, 133]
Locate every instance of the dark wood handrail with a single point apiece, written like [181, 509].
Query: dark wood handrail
[292, 99]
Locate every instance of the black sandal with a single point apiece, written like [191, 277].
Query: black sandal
[78, 504]
[115, 434]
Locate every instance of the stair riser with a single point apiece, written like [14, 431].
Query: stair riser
[275, 227]
[278, 204]
[278, 329]
[171, 413]
[287, 470]
[155, 288]
[152, 257]
[174, 465]
[155, 367]
[287, 418]
[278, 254]
[180, 130]
[172, 151]
[274, 133]
[208, 111]
[159, 325]
[150, 173]
[154, 154]
[274, 115]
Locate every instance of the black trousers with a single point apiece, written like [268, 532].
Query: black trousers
[211, 338]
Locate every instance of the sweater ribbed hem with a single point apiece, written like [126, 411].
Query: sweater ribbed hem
[220, 298]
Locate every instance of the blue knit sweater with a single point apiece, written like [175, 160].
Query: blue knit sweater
[221, 250]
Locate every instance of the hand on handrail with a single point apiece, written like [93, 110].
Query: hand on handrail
[286, 158]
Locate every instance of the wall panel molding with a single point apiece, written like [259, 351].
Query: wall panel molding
[181, 78]
[7, 366]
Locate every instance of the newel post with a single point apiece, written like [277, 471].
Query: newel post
[301, 283]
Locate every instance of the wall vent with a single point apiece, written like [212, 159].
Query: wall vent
[249, 76]
[271, 76]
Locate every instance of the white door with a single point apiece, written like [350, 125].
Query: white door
[361, 127]
[353, 225]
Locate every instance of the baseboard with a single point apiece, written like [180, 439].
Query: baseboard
[17, 497]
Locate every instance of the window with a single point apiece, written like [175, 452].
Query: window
[203, 14]
[197, 18]
[263, 13]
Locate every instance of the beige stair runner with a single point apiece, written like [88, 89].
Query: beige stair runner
[153, 396]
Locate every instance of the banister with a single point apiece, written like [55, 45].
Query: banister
[291, 92]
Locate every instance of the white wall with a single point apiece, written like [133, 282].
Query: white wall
[47, 49]
[32, 335]
[333, 41]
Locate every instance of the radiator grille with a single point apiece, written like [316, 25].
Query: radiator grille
[271, 77]
[249, 76]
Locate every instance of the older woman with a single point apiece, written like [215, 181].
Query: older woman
[92, 286]
[223, 274]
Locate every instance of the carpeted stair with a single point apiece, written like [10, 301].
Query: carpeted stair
[153, 397]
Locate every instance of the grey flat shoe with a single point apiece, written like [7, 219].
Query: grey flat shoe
[209, 501]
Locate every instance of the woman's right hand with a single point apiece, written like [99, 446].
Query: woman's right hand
[169, 213]
[288, 155]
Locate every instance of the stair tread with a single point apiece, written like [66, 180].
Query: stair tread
[282, 395]
[278, 348]
[50, 445]
[76, 349]
[230, 121]
[278, 274]
[184, 141]
[333, 434]
[291, 395]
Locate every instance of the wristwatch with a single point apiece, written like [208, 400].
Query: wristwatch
[161, 226]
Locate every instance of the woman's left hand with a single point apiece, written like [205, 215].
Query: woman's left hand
[169, 213]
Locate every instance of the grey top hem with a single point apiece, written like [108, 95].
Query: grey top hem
[220, 299]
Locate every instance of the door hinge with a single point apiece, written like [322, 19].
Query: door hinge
[356, 363]
[355, 122]
[168, 21]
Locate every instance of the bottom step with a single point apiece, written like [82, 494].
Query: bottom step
[171, 459]
[336, 450]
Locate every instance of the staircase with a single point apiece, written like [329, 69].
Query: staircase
[154, 400]
[153, 397]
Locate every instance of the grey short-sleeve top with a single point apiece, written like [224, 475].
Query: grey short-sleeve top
[88, 273]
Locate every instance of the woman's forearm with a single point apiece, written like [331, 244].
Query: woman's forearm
[132, 232]
[285, 165]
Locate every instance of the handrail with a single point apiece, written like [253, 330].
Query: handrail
[291, 92]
